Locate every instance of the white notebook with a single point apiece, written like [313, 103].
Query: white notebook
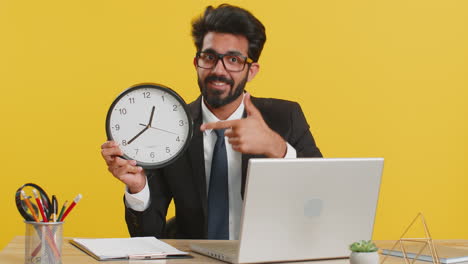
[127, 248]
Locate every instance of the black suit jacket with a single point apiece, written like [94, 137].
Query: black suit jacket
[185, 181]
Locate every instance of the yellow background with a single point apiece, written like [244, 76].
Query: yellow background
[374, 78]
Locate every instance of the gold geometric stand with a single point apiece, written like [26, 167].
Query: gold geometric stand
[427, 240]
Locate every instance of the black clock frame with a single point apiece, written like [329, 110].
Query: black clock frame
[168, 90]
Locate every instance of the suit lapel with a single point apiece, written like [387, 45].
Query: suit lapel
[245, 161]
[196, 154]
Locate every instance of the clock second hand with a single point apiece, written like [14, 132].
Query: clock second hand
[159, 129]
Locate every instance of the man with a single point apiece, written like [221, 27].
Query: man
[207, 182]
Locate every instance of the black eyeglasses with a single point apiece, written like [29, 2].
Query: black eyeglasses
[231, 62]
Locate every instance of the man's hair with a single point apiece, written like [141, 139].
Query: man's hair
[233, 20]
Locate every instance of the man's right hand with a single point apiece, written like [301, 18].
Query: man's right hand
[124, 170]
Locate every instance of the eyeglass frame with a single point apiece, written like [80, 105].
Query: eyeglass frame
[219, 56]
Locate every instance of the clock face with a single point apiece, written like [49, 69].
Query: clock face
[151, 124]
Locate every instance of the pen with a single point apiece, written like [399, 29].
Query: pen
[29, 205]
[54, 208]
[39, 204]
[75, 201]
[62, 210]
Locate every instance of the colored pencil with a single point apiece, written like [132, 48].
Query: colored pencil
[72, 205]
[39, 204]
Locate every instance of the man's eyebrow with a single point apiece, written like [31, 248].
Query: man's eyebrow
[236, 53]
[232, 52]
[209, 50]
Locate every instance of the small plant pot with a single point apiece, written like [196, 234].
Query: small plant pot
[364, 258]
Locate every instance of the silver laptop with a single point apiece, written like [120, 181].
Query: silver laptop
[302, 209]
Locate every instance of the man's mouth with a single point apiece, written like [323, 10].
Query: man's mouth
[219, 82]
[219, 85]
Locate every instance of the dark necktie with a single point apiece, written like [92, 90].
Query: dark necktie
[218, 196]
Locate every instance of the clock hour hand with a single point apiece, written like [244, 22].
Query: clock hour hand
[137, 135]
[160, 129]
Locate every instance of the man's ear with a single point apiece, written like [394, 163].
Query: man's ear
[195, 62]
[253, 69]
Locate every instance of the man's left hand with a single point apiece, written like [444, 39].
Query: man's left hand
[251, 135]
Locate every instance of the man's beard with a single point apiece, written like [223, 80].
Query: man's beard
[213, 97]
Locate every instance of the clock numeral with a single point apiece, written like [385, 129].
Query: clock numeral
[122, 111]
[174, 108]
[136, 151]
[124, 142]
[168, 150]
[117, 127]
[181, 122]
[132, 100]
[152, 155]
[146, 95]
[162, 96]
[177, 139]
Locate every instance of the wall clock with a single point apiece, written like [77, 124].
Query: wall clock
[151, 123]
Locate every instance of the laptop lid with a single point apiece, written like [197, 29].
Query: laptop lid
[307, 208]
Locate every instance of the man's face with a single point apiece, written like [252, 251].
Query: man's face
[218, 86]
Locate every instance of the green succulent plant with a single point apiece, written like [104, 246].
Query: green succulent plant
[363, 246]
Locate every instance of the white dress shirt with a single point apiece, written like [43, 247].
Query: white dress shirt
[140, 201]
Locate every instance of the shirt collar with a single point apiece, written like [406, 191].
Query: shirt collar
[209, 117]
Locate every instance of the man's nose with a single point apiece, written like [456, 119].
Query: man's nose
[219, 67]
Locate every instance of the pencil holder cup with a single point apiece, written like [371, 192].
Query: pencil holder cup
[43, 242]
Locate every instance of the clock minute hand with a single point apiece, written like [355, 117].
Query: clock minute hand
[137, 135]
[160, 129]
[151, 117]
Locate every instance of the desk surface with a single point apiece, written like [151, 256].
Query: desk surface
[14, 253]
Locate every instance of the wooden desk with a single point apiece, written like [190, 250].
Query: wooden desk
[13, 253]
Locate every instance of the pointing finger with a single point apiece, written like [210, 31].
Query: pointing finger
[219, 125]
